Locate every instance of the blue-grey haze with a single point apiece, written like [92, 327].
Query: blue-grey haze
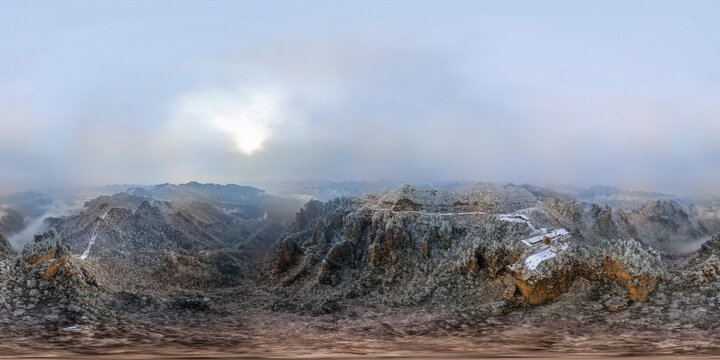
[623, 93]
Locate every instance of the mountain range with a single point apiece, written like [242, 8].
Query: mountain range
[241, 264]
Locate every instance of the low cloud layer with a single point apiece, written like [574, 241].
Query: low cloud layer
[552, 92]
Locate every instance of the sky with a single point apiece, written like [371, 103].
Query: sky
[621, 93]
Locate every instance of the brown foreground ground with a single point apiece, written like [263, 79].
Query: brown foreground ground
[371, 333]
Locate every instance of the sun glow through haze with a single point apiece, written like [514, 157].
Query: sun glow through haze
[248, 135]
[245, 118]
[556, 91]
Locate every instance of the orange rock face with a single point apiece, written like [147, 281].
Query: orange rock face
[36, 259]
[48, 256]
[542, 290]
[376, 256]
[406, 205]
[639, 286]
[472, 267]
[497, 260]
[54, 266]
[319, 234]
[383, 245]
[324, 275]
[287, 257]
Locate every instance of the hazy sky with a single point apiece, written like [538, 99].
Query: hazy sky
[622, 93]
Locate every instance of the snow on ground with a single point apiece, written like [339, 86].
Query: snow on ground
[86, 253]
[463, 213]
[532, 261]
[93, 237]
[431, 213]
[514, 217]
[518, 218]
[539, 251]
[544, 233]
[74, 329]
[543, 251]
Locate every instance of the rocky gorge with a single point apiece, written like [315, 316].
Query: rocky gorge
[484, 267]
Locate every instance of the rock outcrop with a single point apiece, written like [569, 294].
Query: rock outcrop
[11, 222]
[417, 198]
[494, 198]
[6, 250]
[43, 286]
[47, 257]
[704, 267]
[550, 280]
[412, 239]
[635, 268]
[541, 289]
[603, 223]
[288, 255]
[662, 224]
[711, 246]
[567, 212]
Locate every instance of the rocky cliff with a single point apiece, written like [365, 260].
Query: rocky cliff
[42, 286]
[435, 247]
[11, 222]
[6, 250]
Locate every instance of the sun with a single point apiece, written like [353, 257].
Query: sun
[244, 118]
[246, 121]
[247, 133]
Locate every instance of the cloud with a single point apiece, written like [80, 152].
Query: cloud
[496, 92]
[37, 224]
